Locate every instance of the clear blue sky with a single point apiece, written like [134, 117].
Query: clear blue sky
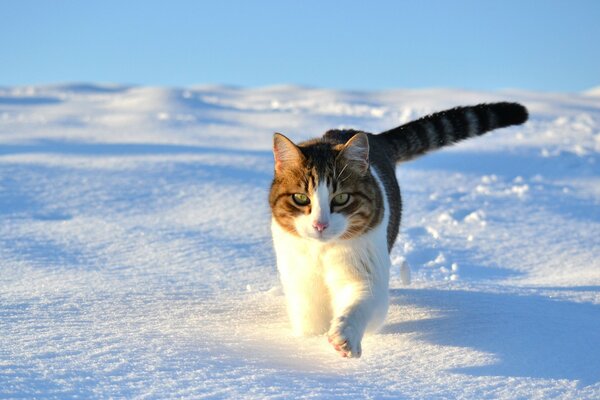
[530, 44]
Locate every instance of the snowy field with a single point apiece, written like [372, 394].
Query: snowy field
[136, 260]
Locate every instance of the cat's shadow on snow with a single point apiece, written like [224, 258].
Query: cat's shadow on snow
[531, 336]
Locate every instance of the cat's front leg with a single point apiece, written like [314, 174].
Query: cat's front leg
[345, 337]
[308, 308]
[357, 307]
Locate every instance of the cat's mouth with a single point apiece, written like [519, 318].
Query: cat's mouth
[324, 236]
[324, 232]
[320, 236]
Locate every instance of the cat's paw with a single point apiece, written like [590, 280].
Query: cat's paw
[344, 338]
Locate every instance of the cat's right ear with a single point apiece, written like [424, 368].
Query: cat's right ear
[286, 153]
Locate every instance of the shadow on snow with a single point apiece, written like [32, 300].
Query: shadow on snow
[532, 336]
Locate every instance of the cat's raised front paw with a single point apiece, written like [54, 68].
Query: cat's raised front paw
[344, 338]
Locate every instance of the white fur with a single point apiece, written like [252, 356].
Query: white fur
[333, 285]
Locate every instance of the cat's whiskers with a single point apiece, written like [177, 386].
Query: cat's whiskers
[341, 172]
[347, 176]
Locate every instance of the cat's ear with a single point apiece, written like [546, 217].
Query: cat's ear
[356, 151]
[286, 153]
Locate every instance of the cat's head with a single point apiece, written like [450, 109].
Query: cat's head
[324, 190]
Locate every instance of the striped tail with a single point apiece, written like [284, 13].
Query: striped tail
[451, 126]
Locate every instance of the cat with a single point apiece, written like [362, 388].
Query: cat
[336, 211]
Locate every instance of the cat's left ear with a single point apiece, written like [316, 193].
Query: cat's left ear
[286, 153]
[356, 151]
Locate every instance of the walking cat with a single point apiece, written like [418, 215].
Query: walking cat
[336, 211]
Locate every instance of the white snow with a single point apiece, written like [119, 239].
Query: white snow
[136, 261]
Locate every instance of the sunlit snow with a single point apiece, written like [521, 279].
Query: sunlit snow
[136, 259]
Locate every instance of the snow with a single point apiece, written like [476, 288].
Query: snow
[136, 258]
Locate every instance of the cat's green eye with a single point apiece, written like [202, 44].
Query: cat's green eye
[340, 199]
[301, 199]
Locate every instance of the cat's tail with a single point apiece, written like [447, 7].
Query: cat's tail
[451, 126]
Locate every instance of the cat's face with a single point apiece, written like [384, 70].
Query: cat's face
[324, 191]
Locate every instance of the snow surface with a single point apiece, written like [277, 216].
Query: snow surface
[136, 261]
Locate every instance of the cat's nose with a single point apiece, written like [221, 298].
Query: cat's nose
[320, 226]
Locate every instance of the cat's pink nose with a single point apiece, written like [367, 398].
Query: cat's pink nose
[320, 226]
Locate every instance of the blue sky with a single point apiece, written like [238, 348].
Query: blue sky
[528, 44]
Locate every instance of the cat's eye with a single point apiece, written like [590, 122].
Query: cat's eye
[340, 199]
[301, 199]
